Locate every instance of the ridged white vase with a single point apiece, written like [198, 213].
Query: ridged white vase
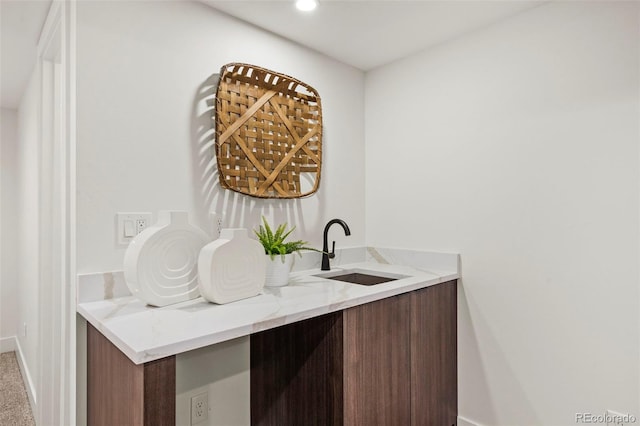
[278, 270]
[160, 264]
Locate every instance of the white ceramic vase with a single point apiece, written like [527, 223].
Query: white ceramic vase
[160, 264]
[231, 268]
[278, 270]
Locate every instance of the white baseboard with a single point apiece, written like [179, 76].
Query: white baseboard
[26, 376]
[8, 344]
[466, 422]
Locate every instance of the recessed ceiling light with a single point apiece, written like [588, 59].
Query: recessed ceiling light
[306, 5]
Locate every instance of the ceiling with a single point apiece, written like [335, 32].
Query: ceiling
[369, 33]
[362, 33]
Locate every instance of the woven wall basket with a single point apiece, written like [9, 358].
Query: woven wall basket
[268, 133]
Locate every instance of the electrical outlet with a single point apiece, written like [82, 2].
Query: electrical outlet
[199, 408]
[128, 225]
[216, 221]
[141, 225]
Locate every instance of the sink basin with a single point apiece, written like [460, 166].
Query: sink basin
[361, 276]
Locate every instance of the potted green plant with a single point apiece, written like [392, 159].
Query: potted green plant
[280, 252]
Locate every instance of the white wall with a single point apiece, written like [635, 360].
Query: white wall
[223, 374]
[517, 146]
[144, 139]
[8, 224]
[27, 168]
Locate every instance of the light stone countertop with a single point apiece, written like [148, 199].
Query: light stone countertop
[145, 333]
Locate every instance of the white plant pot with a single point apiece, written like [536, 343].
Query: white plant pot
[278, 270]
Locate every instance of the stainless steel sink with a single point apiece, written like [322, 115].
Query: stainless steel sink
[361, 276]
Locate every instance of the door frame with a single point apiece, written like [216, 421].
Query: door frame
[56, 227]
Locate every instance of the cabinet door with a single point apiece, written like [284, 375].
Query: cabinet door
[122, 393]
[377, 363]
[296, 374]
[434, 382]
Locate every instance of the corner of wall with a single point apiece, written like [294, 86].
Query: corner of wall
[466, 422]
[26, 377]
[8, 344]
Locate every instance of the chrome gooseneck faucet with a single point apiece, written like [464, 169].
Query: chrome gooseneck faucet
[326, 255]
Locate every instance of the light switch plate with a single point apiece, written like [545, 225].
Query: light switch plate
[128, 225]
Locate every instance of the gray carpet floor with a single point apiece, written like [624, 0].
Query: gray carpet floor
[14, 405]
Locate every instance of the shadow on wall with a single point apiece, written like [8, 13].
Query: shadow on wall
[240, 211]
[204, 171]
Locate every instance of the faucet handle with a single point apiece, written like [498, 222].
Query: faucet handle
[332, 254]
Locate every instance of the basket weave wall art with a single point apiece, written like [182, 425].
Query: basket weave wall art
[268, 133]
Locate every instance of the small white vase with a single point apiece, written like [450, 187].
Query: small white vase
[231, 268]
[278, 270]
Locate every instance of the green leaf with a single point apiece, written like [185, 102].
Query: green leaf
[274, 242]
[268, 229]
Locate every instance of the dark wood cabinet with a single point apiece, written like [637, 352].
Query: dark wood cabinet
[389, 362]
[434, 363]
[296, 373]
[377, 363]
[122, 393]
